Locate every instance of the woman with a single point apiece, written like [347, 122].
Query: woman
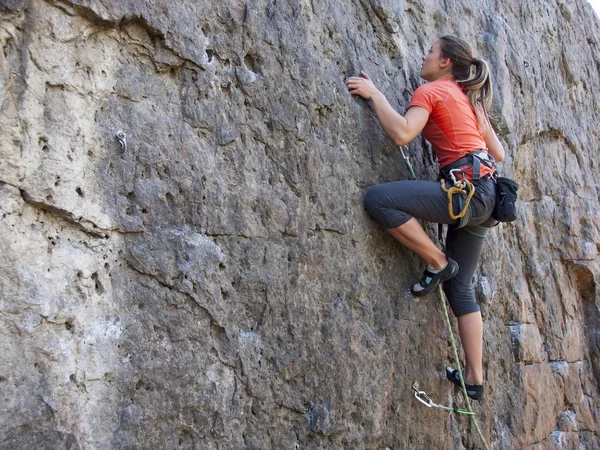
[450, 110]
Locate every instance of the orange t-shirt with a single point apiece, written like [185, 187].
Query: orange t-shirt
[452, 127]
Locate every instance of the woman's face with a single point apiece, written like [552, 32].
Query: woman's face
[434, 65]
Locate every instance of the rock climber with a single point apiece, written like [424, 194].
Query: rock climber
[451, 112]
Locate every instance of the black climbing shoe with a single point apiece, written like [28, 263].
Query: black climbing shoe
[430, 280]
[474, 391]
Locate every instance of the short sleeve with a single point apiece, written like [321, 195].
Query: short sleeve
[423, 97]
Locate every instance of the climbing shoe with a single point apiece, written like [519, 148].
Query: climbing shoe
[431, 278]
[474, 391]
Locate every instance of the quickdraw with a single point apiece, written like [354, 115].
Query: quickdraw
[424, 398]
[408, 164]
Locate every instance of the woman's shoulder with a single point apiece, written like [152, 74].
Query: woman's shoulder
[441, 85]
[437, 88]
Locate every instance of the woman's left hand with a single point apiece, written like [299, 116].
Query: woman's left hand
[362, 86]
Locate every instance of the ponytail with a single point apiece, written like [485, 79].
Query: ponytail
[471, 74]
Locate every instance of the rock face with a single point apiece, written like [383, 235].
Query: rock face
[215, 282]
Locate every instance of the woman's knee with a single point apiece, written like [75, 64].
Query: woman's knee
[373, 201]
[380, 205]
[461, 298]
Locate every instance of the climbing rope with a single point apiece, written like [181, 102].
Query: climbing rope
[421, 395]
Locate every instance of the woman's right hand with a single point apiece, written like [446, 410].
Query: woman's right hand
[401, 129]
[362, 86]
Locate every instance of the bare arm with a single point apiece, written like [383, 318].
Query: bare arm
[492, 142]
[402, 129]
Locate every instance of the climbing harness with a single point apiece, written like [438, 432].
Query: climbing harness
[462, 187]
[506, 189]
[421, 395]
[472, 160]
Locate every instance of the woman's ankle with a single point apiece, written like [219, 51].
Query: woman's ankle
[437, 263]
[473, 378]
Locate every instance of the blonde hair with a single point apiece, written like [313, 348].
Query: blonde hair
[471, 74]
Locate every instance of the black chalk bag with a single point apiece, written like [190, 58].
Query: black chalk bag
[506, 200]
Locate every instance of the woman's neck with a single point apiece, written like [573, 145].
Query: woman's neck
[444, 77]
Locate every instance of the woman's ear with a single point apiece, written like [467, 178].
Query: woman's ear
[444, 62]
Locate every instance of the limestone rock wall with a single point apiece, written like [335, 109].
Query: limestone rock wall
[215, 283]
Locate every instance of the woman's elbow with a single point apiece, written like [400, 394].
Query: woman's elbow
[500, 153]
[401, 141]
[497, 151]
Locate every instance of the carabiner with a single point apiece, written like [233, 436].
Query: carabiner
[427, 401]
[454, 180]
[419, 394]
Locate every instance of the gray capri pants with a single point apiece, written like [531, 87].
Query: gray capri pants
[393, 204]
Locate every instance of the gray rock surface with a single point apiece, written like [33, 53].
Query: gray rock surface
[215, 283]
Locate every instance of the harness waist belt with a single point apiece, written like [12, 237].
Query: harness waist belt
[473, 159]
